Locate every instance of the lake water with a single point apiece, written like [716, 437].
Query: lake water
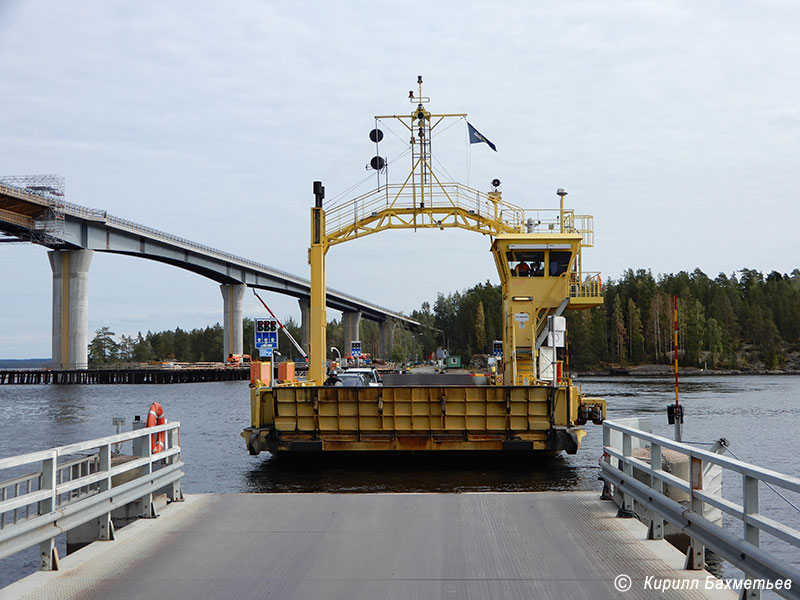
[756, 414]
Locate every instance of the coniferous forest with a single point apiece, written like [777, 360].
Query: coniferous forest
[740, 321]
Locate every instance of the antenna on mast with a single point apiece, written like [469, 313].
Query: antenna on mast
[418, 99]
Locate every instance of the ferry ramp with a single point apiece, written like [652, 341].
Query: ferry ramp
[387, 546]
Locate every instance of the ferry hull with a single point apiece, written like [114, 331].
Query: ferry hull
[534, 419]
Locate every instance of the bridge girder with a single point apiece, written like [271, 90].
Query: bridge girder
[91, 229]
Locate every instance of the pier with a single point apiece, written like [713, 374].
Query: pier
[142, 537]
[122, 375]
[426, 546]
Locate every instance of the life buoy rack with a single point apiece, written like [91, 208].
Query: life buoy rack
[155, 416]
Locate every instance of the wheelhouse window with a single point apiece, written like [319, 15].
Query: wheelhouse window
[526, 263]
[559, 262]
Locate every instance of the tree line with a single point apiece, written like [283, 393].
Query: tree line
[196, 345]
[206, 344]
[732, 321]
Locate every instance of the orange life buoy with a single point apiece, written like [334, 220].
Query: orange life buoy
[155, 416]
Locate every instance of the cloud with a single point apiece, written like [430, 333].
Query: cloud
[667, 120]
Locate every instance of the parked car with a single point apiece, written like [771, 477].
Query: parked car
[350, 379]
[370, 373]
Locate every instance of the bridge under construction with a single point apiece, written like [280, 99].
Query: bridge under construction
[33, 209]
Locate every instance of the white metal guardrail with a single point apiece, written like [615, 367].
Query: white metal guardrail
[77, 484]
[743, 551]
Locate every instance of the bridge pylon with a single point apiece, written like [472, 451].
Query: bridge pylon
[70, 307]
[232, 300]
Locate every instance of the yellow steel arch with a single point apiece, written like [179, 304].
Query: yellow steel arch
[422, 201]
[445, 206]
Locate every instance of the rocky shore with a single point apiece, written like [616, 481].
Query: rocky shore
[667, 370]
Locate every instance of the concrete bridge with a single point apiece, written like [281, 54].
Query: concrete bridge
[33, 209]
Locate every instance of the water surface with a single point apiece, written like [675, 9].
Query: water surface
[757, 414]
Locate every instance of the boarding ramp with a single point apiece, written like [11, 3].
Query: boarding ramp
[548, 545]
[560, 544]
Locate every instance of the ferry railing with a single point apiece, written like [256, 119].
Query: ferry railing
[444, 196]
[590, 287]
[743, 551]
[548, 220]
[75, 484]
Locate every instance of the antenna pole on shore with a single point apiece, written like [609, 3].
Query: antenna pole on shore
[675, 411]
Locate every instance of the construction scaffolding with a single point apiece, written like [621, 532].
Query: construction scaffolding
[48, 225]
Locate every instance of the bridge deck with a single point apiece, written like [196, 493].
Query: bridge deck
[427, 546]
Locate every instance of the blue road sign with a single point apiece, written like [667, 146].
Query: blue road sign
[497, 348]
[266, 333]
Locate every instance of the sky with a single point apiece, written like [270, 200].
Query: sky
[675, 123]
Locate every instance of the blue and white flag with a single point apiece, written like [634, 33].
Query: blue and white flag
[476, 137]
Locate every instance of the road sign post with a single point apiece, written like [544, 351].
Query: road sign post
[266, 333]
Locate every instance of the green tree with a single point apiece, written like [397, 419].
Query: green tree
[103, 348]
[658, 326]
[714, 342]
[181, 347]
[579, 328]
[125, 348]
[248, 337]
[142, 350]
[287, 347]
[429, 337]
[635, 332]
[480, 328]
[619, 332]
[405, 347]
[695, 331]
[335, 339]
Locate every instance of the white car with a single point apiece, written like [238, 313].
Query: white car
[371, 374]
[352, 380]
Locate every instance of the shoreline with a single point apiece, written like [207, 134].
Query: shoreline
[650, 370]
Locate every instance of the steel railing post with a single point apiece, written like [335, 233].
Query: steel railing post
[47, 549]
[145, 450]
[606, 436]
[607, 493]
[627, 468]
[105, 530]
[695, 558]
[656, 531]
[174, 493]
[752, 533]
